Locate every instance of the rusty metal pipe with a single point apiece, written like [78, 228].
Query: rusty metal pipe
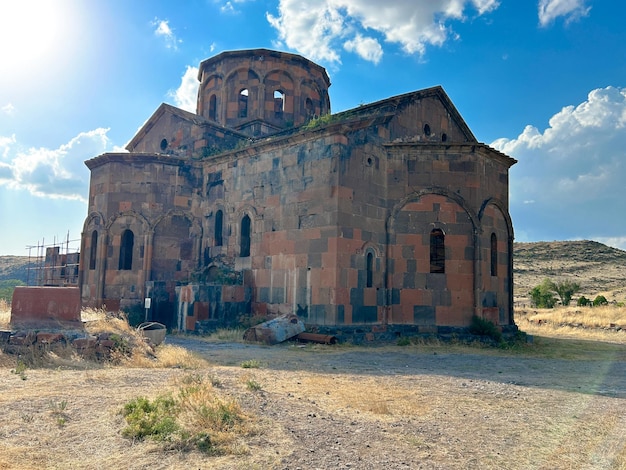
[317, 338]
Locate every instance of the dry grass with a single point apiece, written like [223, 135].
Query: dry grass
[5, 314]
[589, 323]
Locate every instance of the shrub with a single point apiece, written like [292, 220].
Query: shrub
[583, 301]
[251, 364]
[403, 341]
[147, 418]
[135, 314]
[600, 300]
[542, 296]
[484, 327]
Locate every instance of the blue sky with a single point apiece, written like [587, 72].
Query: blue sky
[543, 80]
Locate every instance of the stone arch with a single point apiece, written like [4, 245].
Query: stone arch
[123, 287]
[279, 81]
[242, 230]
[210, 86]
[318, 103]
[242, 79]
[496, 300]
[424, 296]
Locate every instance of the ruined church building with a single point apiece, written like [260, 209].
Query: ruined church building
[390, 217]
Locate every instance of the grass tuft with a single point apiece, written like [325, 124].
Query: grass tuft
[194, 417]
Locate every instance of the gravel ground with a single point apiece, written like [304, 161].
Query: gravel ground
[402, 408]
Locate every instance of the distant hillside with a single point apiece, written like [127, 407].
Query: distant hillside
[16, 267]
[599, 269]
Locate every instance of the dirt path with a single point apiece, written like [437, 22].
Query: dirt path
[402, 408]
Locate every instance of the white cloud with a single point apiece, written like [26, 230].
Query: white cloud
[5, 145]
[186, 95]
[368, 48]
[573, 171]
[163, 29]
[8, 109]
[54, 173]
[229, 6]
[319, 28]
[550, 10]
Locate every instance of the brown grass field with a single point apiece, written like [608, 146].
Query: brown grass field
[555, 403]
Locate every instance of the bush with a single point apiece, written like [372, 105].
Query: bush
[583, 301]
[147, 418]
[135, 314]
[600, 300]
[542, 296]
[484, 327]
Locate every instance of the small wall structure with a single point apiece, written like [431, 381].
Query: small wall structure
[46, 308]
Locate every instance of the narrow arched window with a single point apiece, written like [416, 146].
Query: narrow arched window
[279, 103]
[243, 103]
[369, 262]
[437, 251]
[219, 226]
[245, 236]
[93, 249]
[126, 250]
[494, 255]
[213, 108]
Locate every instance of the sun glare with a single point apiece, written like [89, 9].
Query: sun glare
[31, 31]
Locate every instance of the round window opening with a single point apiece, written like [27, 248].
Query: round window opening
[164, 144]
[369, 160]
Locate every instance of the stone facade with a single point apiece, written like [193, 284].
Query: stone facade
[263, 202]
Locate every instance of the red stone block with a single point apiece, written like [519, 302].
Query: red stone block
[46, 307]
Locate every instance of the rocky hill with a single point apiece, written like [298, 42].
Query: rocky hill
[17, 267]
[599, 269]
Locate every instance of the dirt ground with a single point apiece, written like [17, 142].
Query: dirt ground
[341, 407]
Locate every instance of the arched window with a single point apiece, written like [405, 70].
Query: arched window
[93, 250]
[279, 103]
[243, 103]
[219, 226]
[426, 129]
[213, 108]
[309, 107]
[369, 267]
[126, 250]
[245, 236]
[437, 251]
[494, 255]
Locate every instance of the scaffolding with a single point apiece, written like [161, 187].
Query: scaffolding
[54, 264]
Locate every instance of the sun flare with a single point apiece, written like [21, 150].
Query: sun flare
[30, 31]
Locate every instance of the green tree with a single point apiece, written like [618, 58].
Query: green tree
[583, 301]
[7, 287]
[565, 290]
[542, 296]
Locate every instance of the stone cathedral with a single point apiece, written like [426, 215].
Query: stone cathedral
[387, 218]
